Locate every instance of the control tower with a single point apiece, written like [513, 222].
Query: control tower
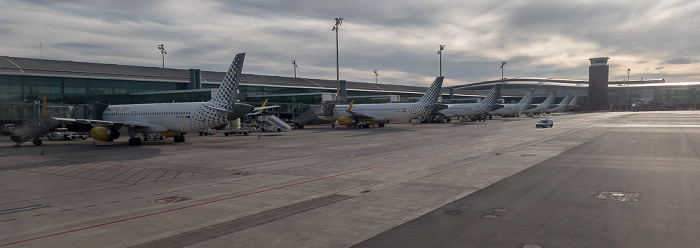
[598, 83]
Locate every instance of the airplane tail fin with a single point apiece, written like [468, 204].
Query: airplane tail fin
[565, 102]
[431, 96]
[550, 98]
[493, 95]
[228, 90]
[527, 99]
[573, 101]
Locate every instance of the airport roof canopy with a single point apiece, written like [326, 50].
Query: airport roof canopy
[59, 68]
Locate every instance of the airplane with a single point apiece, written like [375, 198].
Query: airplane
[364, 115]
[542, 107]
[515, 109]
[562, 105]
[172, 119]
[474, 109]
[572, 103]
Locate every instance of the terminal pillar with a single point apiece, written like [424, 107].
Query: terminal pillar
[598, 84]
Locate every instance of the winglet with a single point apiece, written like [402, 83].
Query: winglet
[263, 106]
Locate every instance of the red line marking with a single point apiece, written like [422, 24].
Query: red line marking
[96, 165]
[109, 180]
[133, 174]
[166, 171]
[99, 171]
[72, 169]
[256, 192]
[178, 173]
[62, 169]
[118, 167]
[145, 176]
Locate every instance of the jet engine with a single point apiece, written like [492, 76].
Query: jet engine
[104, 134]
[347, 121]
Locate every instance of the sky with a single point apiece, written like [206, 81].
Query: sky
[398, 38]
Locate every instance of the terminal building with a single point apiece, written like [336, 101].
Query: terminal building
[24, 82]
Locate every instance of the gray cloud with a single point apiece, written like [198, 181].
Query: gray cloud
[680, 61]
[398, 38]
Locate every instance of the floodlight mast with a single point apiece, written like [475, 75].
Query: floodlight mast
[627, 100]
[503, 63]
[338, 22]
[294, 62]
[376, 76]
[163, 53]
[442, 47]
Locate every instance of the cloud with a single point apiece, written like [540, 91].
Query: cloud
[399, 38]
[680, 61]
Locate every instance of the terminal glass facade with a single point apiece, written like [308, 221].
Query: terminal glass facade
[18, 88]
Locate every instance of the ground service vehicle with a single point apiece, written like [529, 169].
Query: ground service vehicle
[545, 123]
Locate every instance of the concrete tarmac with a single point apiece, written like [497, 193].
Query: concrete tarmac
[596, 179]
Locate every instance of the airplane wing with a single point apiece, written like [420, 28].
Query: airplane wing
[363, 117]
[359, 116]
[259, 110]
[93, 122]
[137, 125]
[435, 108]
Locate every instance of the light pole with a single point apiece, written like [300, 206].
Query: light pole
[442, 47]
[294, 62]
[376, 76]
[163, 53]
[338, 22]
[627, 100]
[503, 63]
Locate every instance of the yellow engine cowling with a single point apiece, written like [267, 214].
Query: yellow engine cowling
[345, 121]
[104, 134]
[371, 122]
[169, 134]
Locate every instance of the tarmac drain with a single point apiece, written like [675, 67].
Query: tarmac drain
[490, 216]
[617, 196]
[500, 210]
[453, 212]
[365, 191]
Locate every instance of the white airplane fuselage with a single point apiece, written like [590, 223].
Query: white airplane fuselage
[166, 117]
[508, 109]
[383, 112]
[465, 109]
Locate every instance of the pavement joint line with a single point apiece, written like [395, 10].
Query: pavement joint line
[262, 191]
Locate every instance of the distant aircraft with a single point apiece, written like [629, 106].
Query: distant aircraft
[364, 115]
[516, 109]
[572, 103]
[474, 109]
[171, 119]
[544, 106]
[563, 105]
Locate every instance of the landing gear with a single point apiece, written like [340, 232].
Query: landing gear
[381, 124]
[134, 141]
[179, 138]
[36, 142]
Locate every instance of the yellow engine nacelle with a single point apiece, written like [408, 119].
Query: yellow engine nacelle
[345, 121]
[104, 134]
[169, 134]
[371, 122]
